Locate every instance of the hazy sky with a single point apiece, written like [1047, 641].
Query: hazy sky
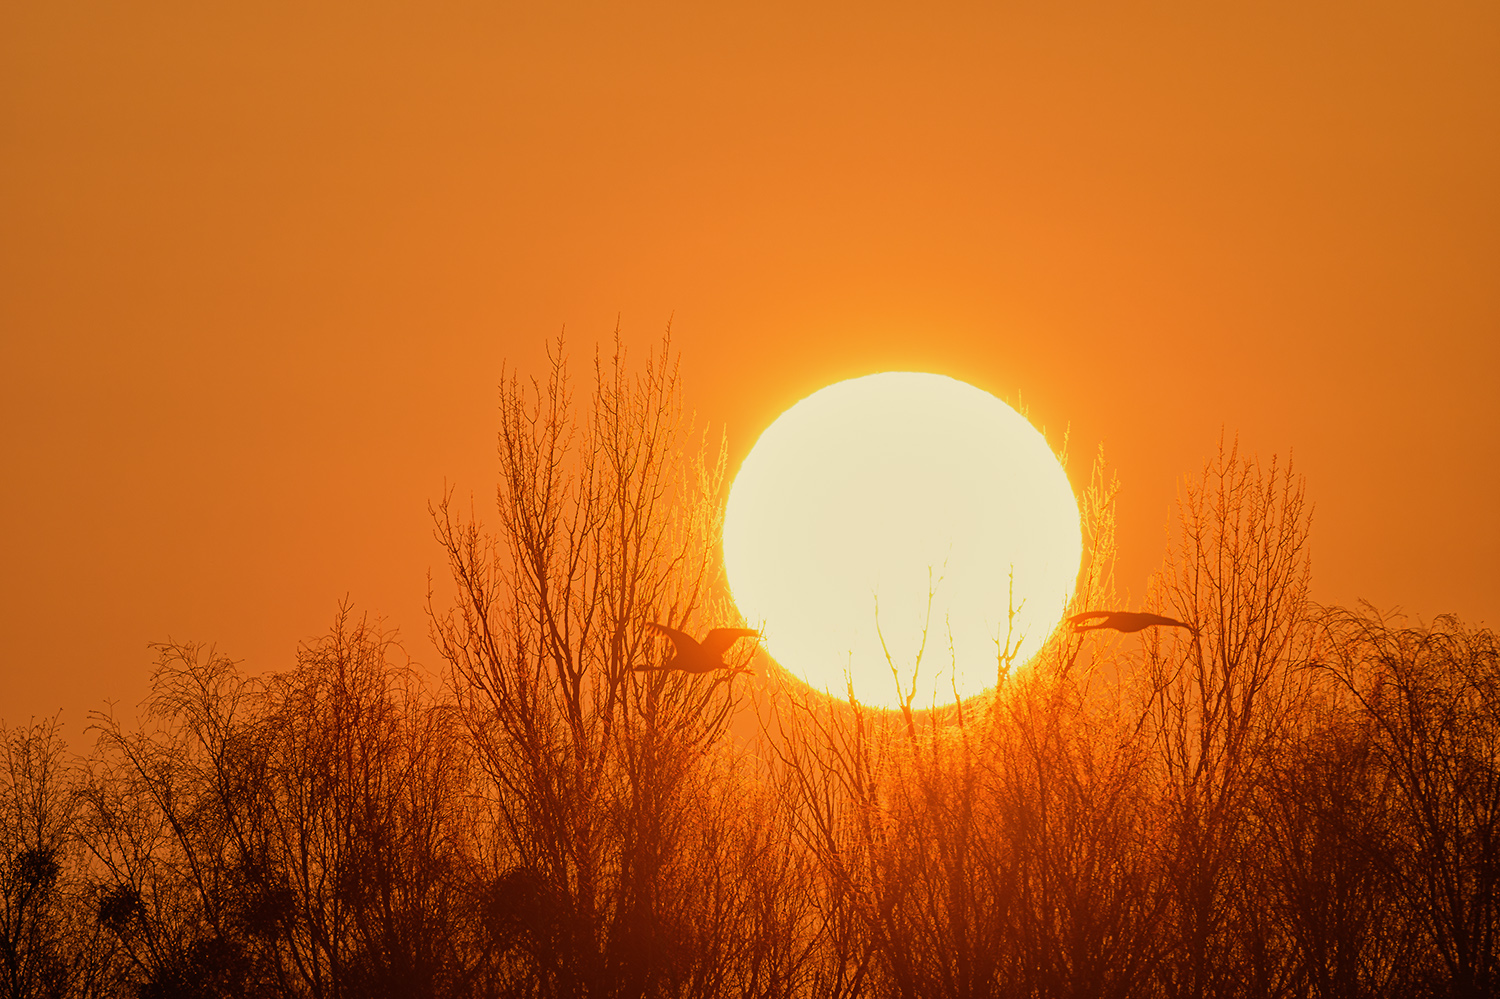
[260, 267]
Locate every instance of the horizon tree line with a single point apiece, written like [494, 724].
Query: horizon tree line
[1286, 801]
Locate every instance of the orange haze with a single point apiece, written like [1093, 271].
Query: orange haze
[260, 267]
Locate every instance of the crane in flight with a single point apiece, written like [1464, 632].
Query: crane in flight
[1124, 621]
[706, 656]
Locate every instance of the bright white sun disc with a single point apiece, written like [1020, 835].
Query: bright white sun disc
[873, 493]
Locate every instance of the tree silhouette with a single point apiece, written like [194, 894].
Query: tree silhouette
[49, 946]
[1280, 800]
[1431, 698]
[606, 524]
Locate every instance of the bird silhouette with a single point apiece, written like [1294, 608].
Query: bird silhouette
[1124, 621]
[700, 657]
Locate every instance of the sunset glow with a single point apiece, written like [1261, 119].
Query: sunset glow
[881, 490]
[535, 500]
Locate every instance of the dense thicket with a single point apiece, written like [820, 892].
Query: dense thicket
[1287, 801]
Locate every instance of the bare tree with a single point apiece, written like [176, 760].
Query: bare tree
[362, 857]
[1218, 702]
[1432, 697]
[606, 523]
[1324, 818]
[49, 943]
[164, 826]
[304, 835]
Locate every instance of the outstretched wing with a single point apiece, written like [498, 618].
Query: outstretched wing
[686, 645]
[1157, 621]
[718, 641]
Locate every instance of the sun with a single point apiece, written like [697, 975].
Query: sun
[887, 506]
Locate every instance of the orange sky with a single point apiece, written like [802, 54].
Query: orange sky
[260, 267]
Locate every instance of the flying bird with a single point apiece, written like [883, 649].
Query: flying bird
[701, 657]
[1124, 621]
